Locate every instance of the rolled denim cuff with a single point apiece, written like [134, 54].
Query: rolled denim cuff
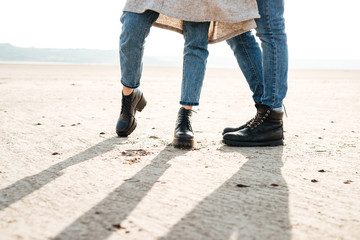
[189, 103]
[129, 86]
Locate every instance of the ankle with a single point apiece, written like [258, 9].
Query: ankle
[127, 91]
[187, 107]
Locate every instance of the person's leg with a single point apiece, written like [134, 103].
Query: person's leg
[194, 61]
[249, 57]
[135, 29]
[194, 65]
[267, 128]
[271, 31]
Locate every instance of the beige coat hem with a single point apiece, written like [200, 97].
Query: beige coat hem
[227, 19]
[249, 25]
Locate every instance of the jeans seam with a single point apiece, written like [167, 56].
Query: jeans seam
[183, 72]
[275, 57]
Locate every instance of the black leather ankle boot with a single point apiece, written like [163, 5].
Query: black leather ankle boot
[184, 135]
[129, 105]
[265, 129]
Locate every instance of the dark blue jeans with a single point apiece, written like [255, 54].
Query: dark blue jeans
[265, 70]
[136, 28]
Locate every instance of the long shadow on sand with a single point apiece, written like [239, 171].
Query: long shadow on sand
[27, 185]
[101, 220]
[252, 204]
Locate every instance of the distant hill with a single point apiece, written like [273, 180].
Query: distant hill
[9, 52]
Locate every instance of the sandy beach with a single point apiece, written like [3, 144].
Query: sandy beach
[64, 174]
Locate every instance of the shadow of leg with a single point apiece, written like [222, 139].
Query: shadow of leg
[100, 221]
[252, 204]
[28, 185]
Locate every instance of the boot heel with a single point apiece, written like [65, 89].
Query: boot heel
[141, 104]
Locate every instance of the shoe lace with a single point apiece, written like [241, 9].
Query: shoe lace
[285, 110]
[258, 119]
[184, 119]
[126, 106]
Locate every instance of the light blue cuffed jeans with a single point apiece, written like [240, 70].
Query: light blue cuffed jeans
[136, 28]
[265, 68]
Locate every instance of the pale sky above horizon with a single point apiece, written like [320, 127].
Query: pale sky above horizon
[320, 29]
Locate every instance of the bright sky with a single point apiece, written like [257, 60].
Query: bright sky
[317, 29]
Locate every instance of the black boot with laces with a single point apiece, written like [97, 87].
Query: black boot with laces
[129, 105]
[184, 135]
[265, 129]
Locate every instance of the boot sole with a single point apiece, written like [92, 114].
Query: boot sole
[139, 107]
[183, 143]
[254, 144]
[127, 133]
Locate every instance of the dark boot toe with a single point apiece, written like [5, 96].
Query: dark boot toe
[126, 123]
[184, 135]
